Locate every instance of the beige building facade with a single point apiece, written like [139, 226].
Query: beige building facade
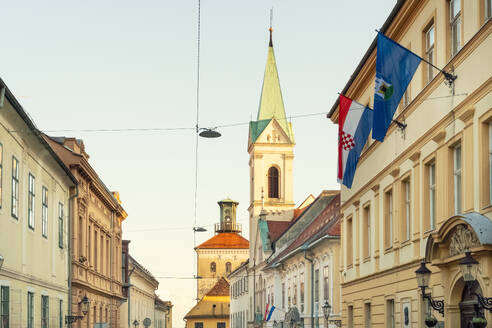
[420, 193]
[96, 234]
[141, 298]
[35, 195]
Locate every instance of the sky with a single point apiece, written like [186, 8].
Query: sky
[98, 64]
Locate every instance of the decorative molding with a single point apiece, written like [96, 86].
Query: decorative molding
[415, 157]
[467, 115]
[395, 172]
[439, 137]
[356, 203]
[375, 188]
[462, 239]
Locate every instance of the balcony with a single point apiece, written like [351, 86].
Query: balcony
[227, 227]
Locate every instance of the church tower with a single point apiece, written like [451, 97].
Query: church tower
[271, 153]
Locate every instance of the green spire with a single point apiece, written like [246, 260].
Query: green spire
[271, 101]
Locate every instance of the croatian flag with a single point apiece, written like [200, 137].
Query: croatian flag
[354, 125]
[270, 313]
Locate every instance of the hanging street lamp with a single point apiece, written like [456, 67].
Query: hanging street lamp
[469, 270]
[423, 277]
[208, 133]
[84, 304]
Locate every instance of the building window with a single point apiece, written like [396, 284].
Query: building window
[15, 188]
[367, 315]
[348, 236]
[60, 314]
[406, 210]
[221, 325]
[283, 295]
[350, 316]
[60, 225]
[388, 218]
[455, 25]
[4, 306]
[45, 312]
[213, 267]
[89, 235]
[326, 282]
[228, 267]
[1, 175]
[95, 250]
[198, 324]
[273, 183]
[390, 313]
[429, 52]
[81, 236]
[431, 171]
[294, 299]
[487, 10]
[31, 201]
[457, 178]
[316, 285]
[367, 230]
[301, 291]
[30, 310]
[44, 212]
[490, 163]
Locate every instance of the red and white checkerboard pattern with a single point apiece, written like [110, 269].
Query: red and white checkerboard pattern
[347, 141]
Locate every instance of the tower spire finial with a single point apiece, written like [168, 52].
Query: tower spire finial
[271, 28]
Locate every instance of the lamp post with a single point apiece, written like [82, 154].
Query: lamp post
[469, 269]
[423, 278]
[326, 313]
[84, 303]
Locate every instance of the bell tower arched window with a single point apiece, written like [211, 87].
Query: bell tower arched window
[273, 183]
[212, 267]
[228, 267]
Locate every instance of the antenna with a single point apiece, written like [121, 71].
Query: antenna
[271, 18]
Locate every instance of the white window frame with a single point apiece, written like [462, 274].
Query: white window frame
[432, 195]
[430, 39]
[31, 201]
[15, 188]
[61, 224]
[44, 212]
[457, 176]
[390, 217]
[408, 211]
[455, 26]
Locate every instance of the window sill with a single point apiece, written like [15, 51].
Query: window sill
[405, 243]
[388, 249]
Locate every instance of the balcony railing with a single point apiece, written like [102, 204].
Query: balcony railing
[227, 227]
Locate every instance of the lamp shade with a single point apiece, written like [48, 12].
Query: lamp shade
[85, 305]
[468, 267]
[326, 309]
[423, 275]
[209, 133]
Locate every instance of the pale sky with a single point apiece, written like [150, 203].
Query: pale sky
[90, 64]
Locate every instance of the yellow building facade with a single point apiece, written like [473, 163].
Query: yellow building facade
[96, 233]
[425, 192]
[36, 190]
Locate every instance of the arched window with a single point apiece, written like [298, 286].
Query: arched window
[228, 267]
[213, 267]
[273, 183]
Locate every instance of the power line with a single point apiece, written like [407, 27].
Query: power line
[158, 129]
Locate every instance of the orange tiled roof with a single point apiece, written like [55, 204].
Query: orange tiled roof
[221, 288]
[225, 240]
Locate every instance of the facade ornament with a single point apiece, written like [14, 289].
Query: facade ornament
[462, 239]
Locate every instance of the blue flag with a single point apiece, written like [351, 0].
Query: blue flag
[270, 313]
[395, 66]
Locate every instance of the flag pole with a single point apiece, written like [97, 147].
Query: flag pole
[401, 125]
[448, 76]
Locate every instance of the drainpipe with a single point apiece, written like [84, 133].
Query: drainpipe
[70, 246]
[312, 284]
[129, 293]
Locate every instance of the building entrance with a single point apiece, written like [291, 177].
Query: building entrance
[469, 305]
